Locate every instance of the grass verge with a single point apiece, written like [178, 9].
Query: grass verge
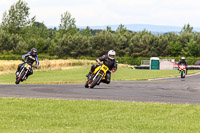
[45, 115]
[77, 75]
[8, 66]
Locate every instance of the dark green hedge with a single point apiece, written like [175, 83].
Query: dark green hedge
[19, 57]
[137, 61]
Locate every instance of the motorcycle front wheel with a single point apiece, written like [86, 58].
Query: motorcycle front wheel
[19, 78]
[94, 83]
[182, 74]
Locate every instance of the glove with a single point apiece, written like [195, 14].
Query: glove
[98, 60]
[112, 71]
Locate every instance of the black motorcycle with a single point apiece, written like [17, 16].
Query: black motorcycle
[24, 70]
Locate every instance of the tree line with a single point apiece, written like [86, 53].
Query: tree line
[19, 33]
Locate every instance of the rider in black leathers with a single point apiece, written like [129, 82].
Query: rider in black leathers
[110, 62]
[30, 58]
[183, 61]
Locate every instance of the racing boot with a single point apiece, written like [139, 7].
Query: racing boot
[17, 74]
[89, 74]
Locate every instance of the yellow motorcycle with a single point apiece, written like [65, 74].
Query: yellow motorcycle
[96, 77]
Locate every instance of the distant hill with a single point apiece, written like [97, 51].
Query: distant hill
[140, 27]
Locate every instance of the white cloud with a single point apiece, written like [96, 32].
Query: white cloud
[108, 12]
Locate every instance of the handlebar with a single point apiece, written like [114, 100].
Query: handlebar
[100, 63]
[29, 64]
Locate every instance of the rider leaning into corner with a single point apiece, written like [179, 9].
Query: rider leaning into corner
[183, 61]
[108, 60]
[30, 58]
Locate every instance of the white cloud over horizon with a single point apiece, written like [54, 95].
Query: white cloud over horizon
[113, 12]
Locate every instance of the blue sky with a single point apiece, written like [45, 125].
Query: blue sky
[113, 12]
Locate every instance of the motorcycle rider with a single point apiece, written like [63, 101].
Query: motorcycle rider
[183, 61]
[108, 60]
[29, 58]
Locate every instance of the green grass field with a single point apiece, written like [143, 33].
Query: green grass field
[44, 115]
[60, 116]
[78, 75]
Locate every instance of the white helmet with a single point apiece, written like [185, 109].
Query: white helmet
[111, 52]
[182, 58]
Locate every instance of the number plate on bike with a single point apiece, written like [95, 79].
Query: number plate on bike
[104, 68]
[27, 66]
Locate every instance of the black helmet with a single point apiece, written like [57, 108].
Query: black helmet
[33, 50]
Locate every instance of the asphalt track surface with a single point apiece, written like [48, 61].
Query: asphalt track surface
[172, 90]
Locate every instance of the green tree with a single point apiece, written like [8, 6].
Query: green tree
[191, 49]
[175, 48]
[86, 31]
[122, 43]
[10, 42]
[102, 42]
[141, 44]
[159, 46]
[67, 22]
[187, 28]
[82, 46]
[121, 28]
[5, 41]
[17, 17]
[108, 28]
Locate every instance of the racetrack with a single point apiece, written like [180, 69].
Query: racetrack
[172, 90]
